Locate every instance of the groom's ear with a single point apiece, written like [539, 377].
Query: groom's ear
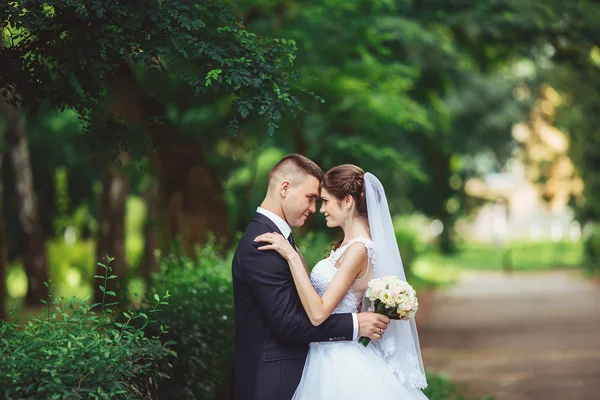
[285, 188]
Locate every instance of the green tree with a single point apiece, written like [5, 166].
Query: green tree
[404, 97]
[3, 260]
[95, 57]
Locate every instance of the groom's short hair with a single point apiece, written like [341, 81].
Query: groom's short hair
[295, 164]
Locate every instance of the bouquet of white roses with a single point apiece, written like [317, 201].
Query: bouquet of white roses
[392, 297]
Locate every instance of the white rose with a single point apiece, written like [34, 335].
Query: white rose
[390, 303]
[376, 289]
[406, 297]
[387, 298]
[395, 287]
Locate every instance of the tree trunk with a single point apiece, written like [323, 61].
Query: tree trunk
[3, 293]
[191, 200]
[34, 246]
[3, 260]
[438, 190]
[111, 229]
[441, 180]
[149, 261]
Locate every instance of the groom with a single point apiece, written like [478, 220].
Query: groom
[272, 330]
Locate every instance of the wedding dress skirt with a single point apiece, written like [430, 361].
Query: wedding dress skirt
[350, 371]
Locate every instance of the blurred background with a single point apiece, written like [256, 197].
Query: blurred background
[479, 117]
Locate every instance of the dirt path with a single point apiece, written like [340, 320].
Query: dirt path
[529, 336]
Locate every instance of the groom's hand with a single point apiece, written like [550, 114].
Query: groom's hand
[372, 325]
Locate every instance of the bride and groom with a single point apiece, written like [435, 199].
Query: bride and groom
[296, 333]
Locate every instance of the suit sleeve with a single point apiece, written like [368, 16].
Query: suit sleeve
[274, 289]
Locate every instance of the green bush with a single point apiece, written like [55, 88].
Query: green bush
[440, 387]
[410, 247]
[200, 320]
[74, 351]
[592, 252]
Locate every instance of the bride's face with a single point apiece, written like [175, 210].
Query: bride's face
[333, 210]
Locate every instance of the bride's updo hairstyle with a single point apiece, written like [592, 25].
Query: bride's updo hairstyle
[343, 180]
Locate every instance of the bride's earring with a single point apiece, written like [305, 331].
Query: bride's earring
[348, 217]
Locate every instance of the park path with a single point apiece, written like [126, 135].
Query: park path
[526, 336]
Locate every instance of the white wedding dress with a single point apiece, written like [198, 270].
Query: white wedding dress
[348, 370]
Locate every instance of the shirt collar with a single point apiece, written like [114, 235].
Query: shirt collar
[283, 226]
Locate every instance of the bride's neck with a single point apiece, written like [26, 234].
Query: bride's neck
[358, 227]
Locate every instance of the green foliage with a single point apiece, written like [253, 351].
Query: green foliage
[441, 387]
[74, 350]
[592, 252]
[200, 320]
[63, 53]
[134, 229]
[404, 97]
[524, 256]
[246, 186]
[71, 265]
[410, 248]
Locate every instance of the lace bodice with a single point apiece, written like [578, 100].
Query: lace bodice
[325, 270]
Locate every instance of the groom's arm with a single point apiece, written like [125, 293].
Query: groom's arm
[274, 289]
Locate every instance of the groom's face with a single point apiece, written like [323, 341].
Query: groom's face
[300, 200]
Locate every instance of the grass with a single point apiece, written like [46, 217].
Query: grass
[519, 256]
[441, 387]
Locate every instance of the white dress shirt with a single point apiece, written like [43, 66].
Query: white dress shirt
[285, 229]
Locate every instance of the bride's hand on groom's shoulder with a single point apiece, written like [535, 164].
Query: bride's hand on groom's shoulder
[372, 325]
[278, 243]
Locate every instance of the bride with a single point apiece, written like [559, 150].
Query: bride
[391, 368]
